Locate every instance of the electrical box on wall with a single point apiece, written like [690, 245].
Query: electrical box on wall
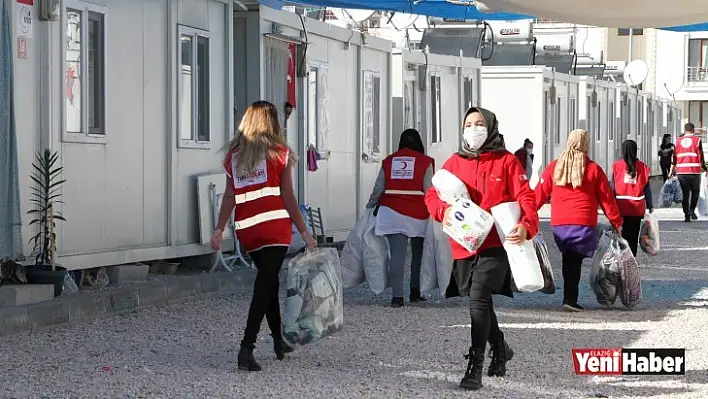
[48, 10]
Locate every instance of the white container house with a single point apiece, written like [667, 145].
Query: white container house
[532, 102]
[431, 92]
[597, 114]
[157, 109]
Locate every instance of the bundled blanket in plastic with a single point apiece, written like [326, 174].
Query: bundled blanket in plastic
[544, 260]
[670, 193]
[365, 256]
[615, 272]
[313, 306]
[649, 235]
[702, 208]
[436, 264]
[524, 263]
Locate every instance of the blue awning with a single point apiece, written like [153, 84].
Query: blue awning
[456, 9]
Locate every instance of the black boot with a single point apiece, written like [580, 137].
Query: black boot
[397, 302]
[246, 361]
[281, 348]
[415, 296]
[501, 353]
[472, 380]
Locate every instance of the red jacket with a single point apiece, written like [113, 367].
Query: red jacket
[404, 171]
[629, 191]
[260, 216]
[578, 206]
[491, 179]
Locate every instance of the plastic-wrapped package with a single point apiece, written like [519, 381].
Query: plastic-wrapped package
[630, 292]
[525, 267]
[544, 260]
[436, 263]
[615, 272]
[702, 208]
[469, 224]
[670, 193]
[376, 253]
[449, 187]
[649, 235]
[313, 306]
[352, 260]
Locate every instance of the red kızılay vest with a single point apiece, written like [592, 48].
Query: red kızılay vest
[688, 160]
[629, 191]
[405, 173]
[260, 217]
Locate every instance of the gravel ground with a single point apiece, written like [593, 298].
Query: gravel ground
[189, 350]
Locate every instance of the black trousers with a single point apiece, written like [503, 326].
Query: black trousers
[265, 301]
[630, 231]
[691, 188]
[572, 263]
[485, 326]
[665, 172]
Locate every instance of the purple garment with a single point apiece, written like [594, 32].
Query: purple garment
[575, 238]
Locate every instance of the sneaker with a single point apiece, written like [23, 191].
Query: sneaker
[397, 302]
[572, 307]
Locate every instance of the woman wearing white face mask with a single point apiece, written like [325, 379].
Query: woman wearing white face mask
[525, 156]
[492, 176]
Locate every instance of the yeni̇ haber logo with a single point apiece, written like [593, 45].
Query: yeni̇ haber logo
[629, 361]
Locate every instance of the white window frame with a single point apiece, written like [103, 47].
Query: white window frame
[85, 135]
[436, 135]
[373, 153]
[194, 141]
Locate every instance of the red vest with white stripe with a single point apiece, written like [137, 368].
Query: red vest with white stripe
[260, 216]
[688, 161]
[405, 172]
[629, 191]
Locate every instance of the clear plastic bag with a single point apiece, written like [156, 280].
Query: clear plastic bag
[436, 263]
[630, 293]
[313, 306]
[544, 259]
[702, 208]
[649, 235]
[605, 270]
[376, 253]
[69, 285]
[352, 260]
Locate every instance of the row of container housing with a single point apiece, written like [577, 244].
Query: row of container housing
[162, 99]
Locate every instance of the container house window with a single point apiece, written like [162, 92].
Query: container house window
[588, 115]
[571, 114]
[611, 122]
[436, 105]
[84, 71]
[469, 91]
[598, 123]
[193, 88]
[640, 117]
[372, 114]
[625, 32]
[697, 114]
[558, 120]
[312, 108]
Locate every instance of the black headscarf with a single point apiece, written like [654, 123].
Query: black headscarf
[494, 142]
[629, 154]
[410, 138]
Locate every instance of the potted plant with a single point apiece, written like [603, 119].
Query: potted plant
[46, 176]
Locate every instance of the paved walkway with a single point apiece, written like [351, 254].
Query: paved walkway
[189, 351]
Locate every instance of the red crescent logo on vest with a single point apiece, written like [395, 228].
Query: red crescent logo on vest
[405, 164]
[686, 142]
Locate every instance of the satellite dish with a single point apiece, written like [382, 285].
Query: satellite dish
[636, 72]
[674, 84]
[403, 20]
[351, 15]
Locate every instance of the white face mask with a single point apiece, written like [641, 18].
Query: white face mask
[475, 136]
[530, 151]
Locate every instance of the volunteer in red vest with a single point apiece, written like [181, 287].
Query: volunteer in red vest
[687, 164]
[630, 182]
[259, 185]
[402, 215]
[525, 156]
[576, 186]
[493, 176]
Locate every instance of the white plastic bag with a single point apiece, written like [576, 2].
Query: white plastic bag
[437, 263]
[449, 187]
[352, 260]
[376, 254]
[469, 224]
[649, 235]
[702, 207]
[523, 261]
[313, 306]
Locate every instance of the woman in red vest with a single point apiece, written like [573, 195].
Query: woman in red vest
[630, 181]
[493, 176]
[259, 185]
[576, 186]
[399, 194]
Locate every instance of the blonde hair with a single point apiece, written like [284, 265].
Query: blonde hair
[258, 136]
[570, 168]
